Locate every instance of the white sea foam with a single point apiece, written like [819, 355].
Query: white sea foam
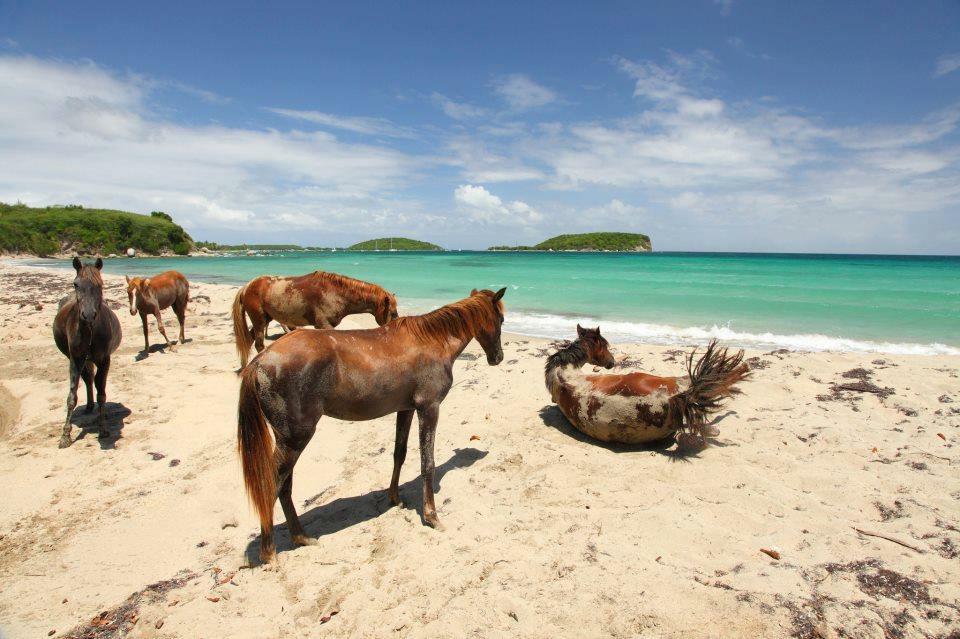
[557, 326]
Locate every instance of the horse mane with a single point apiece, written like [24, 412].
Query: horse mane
[351, 285]
[574, 354]
[91, 272]
[459, 319]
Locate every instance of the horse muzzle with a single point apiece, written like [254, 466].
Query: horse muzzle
[496, 359]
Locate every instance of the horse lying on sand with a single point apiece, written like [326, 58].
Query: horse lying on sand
[638, 407]
[318, 299]
[402, 367]
[150, 295]
[87, 332]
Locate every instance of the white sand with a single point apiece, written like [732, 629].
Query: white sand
[547, 534]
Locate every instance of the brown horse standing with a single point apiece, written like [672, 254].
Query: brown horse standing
[87, 332]
[317, 299]
[400, 368]
[638, 407]
[150, 295]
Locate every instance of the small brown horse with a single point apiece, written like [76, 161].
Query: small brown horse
[87, 332]
[402, 367]
[638, 407]
[150, 295]
[317, 299]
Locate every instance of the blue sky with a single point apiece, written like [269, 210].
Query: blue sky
[710, 125]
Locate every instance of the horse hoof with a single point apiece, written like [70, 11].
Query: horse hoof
[303, 540]
[395, 498]
[64, 442]
[267, 557]
[434, 522]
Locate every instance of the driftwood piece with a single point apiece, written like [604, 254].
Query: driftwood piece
[888, 538]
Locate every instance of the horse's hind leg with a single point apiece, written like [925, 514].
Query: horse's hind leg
[71, 403]
[87, 375]
[404, 419]
[101, 382]
[288, 459]
[181, 312]
[427, 416]
[162, 330]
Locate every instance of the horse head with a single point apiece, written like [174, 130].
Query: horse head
[488, 334]
[88, 287]
[134, 285]
[598, 349]
[386, 309]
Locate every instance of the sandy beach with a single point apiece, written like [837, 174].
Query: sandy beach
[547, 534]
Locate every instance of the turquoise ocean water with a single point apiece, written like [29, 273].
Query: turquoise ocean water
[897, 304]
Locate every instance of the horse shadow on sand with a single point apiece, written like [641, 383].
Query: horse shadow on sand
[345, 512]
[554, 418]
[160, 348]
[114, 415]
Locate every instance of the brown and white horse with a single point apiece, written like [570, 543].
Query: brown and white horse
[87, 332]
[317, 299]
[403, 367]
[637, 407]
[150, 295]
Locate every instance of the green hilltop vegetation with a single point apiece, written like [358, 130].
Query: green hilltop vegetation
[215, 246]
[397, 243]
[72, 228]
[633, 242]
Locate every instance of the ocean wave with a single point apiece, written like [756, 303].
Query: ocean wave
[557, 326]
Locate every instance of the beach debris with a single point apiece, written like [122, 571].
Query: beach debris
[174, 462]
[772, 552]
[474, 438]
[945, 399]
[755, 363]
[213, 598]
[159, 624]
[888, 538]
[330, 615]
[156, 456]
[118, 621]
[942, 436]
[229, 522]
[52, 632]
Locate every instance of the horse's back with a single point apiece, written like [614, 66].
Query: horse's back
[632, 384]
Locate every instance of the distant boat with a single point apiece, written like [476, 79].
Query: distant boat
[333, 250]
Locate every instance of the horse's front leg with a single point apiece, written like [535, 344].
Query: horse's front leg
[71, 401]
[427, 416]
[87, 375]
[404, 419]
[146, 333]
[100, 380]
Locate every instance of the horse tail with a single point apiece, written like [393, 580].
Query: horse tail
[256, 449]
[241, 333]
[712, 379]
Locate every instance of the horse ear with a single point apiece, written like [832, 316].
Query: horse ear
[77, 264]
[145, 283]
[598, 331]
[499, 294]
[98, 263]
[127, 277]
[580, 331]
[473, 292]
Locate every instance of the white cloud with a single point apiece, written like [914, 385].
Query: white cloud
[458, 110]
[522, 93]
[947, 63]
[363, 125]
[726, 6]
[482, 205]
[76, 132]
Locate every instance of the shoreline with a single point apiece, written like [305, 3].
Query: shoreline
[553, 326]
[548, 533]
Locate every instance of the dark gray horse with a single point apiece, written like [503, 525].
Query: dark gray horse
[87, 332]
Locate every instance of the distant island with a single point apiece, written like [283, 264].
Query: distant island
[73, 229]
[394, 243]
[627, 242]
